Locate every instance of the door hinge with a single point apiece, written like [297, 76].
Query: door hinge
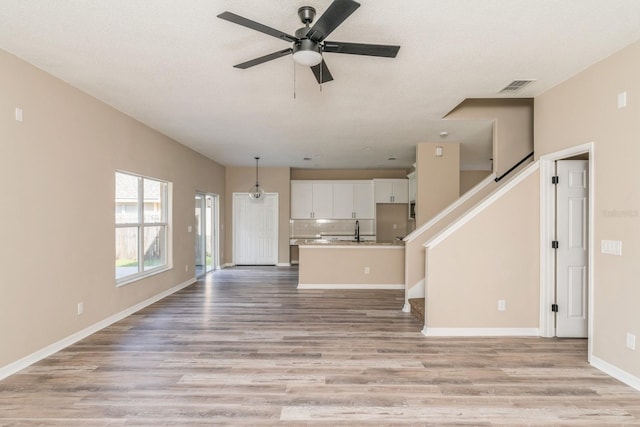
[555, 244]
[555, 179]
[554, 308]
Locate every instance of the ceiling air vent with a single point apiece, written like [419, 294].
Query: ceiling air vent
[516, 85]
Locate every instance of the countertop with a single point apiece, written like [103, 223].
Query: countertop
[347, 243]
[326, 235]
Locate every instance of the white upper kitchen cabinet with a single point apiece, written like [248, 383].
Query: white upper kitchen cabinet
[301, 200]
[343, 200]
[364, 204]
[391, 190]
[353, 200]
[311, 200]
[322, 200]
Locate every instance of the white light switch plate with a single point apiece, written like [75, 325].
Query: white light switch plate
[622, 100]
[631, 341]
[611, 247]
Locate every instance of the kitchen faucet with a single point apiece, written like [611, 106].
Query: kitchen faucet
[357, 236]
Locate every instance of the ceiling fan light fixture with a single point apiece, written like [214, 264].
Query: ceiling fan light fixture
[308, 58]
[307, 53]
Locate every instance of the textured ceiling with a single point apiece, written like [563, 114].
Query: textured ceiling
[169, 64]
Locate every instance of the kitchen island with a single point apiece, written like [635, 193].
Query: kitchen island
[326, 264]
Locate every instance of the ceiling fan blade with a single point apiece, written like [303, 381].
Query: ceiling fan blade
[362, 49]
[237, 19]
[337, 12]
[264, 59]
[325, 75]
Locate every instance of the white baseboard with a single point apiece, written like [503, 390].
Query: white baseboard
[283, 264]
[349, 286]
[480, 332]
[295, 262]
[406, 307]
[616, 372]
[29, 360]
[229, 264]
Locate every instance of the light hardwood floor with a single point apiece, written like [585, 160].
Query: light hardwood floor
[244, 347]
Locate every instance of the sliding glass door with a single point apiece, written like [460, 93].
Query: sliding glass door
[206, 233]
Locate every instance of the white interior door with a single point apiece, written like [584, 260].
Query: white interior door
[255, 229]
[572, 253]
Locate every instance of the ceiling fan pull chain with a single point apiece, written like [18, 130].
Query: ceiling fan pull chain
[321, 67]
[294, 79]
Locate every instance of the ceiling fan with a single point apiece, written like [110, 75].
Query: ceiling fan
[309, 42]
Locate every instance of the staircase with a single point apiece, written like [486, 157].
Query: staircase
[486, 233]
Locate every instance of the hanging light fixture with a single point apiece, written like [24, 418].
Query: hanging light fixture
[256, 193]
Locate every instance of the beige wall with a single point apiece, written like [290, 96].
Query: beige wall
[437, 179]
[415, 252]
[272, 180]
[584, 109]
[469, 179]
[494, 256]
[346, 266]
[294, 254]
[347, 174]
[512, 129]
[57, 229]
[391, 221]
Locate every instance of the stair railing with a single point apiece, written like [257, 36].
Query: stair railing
[514, 167]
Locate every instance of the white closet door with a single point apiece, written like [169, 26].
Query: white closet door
[255, 235]
[572, 255]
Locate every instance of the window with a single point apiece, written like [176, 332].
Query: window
[141, 226]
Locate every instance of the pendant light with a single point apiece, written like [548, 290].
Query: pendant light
[256, 193]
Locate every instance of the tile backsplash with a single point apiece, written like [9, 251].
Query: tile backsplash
[316, 228]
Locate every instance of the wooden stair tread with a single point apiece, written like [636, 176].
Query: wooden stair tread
[417, 308]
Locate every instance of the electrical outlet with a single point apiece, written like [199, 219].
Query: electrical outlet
[18, 114]
[80, 308]
[366, 270]
[631, 341]
[186, 267]
[502, 305]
